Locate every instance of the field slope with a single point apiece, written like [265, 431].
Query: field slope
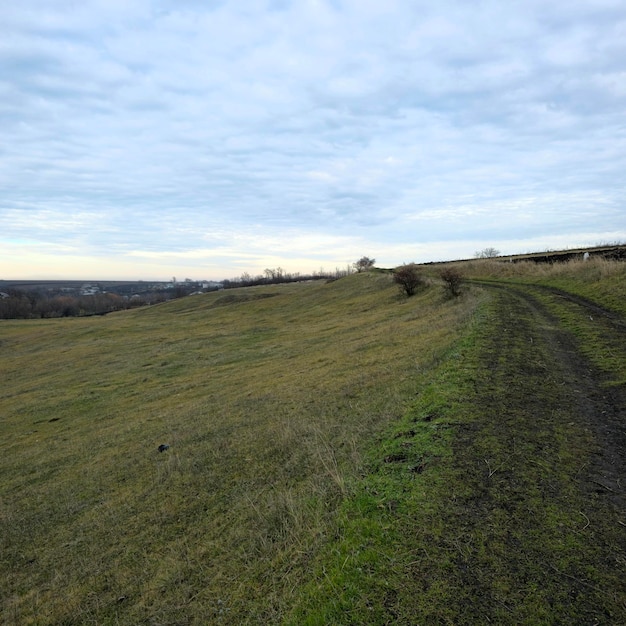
[268, 398]
[337, 455]
[499, 497]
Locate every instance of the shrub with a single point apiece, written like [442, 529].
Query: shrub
[408, 278]
[452, 281]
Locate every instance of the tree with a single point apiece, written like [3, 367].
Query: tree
[408, 278]
[487, 253]
[364, 264]
[15, 305]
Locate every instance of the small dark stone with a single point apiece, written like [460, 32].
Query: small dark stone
[163, 447]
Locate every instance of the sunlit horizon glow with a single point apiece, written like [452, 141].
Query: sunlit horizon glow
[160, 138]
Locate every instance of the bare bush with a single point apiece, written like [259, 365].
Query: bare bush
[408, 278]
[452, 281]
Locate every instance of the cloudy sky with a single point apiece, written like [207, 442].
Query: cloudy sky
[206, 138]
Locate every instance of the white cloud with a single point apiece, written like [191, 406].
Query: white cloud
[342, 128]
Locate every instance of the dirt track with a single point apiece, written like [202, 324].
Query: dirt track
[598, 406]
[541, 526]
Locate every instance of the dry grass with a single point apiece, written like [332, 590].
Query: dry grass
[596, 268]
[598, 278]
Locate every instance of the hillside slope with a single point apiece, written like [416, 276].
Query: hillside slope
[267, 398]
[338, 454]
[498, 497]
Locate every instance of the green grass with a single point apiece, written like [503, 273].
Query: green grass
[392, 519]
[469, 511]
[269, 398]
[598, 280]
[338, 454]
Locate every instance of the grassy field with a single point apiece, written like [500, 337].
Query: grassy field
[486, 502]
[327, 442]
[268, 398]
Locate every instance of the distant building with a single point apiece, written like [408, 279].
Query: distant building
[89, 290]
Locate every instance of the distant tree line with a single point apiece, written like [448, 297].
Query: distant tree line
[274, 276]
[31, 304]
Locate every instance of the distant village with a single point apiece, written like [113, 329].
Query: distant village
[122, 288]
[33, 299]
[188, 286]
[58, 298]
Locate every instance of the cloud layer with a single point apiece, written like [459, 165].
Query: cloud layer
[149, 138]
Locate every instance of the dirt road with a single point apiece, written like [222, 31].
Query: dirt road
[539, 528]
[598, 405]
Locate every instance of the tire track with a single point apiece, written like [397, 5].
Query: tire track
[544, 463]
[600, 406]
[615, 319]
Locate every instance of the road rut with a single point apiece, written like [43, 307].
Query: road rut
[541, 522]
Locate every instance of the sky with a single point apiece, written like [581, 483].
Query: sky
[145, 139]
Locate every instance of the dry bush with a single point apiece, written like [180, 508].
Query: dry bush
[409, 279]
[452, 281]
